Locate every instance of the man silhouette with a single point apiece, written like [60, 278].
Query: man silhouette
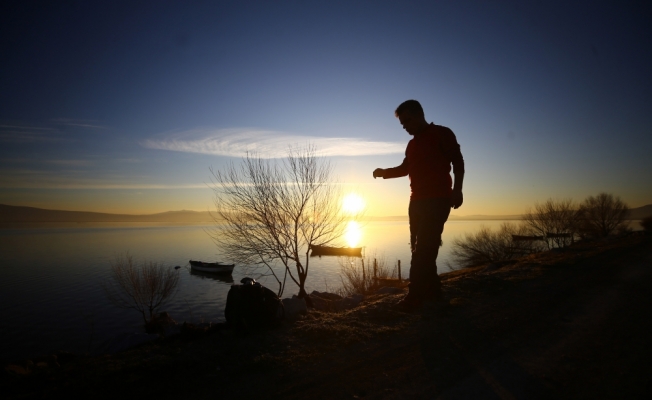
[428, 158]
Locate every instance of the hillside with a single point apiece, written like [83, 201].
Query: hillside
[20, 214]
[16, 214]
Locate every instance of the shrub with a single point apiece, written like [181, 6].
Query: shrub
[143, 287]
[646, 223]
[602, 215]
[556, 220]
[487, 246]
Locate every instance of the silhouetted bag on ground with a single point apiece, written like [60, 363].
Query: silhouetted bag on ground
[252, 305]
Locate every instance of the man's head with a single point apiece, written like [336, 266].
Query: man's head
[410, 114]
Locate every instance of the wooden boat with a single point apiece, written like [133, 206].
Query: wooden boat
[335, 251]
[215, 267]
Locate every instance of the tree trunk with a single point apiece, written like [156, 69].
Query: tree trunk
[302, 291]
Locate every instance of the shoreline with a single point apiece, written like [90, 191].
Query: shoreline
[555, 324]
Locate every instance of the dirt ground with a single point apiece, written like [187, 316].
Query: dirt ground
[567, 324]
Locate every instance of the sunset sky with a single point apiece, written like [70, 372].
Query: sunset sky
[124, 106]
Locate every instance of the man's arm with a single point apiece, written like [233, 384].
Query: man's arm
[452, 149]
[396, 172]
[456, 197]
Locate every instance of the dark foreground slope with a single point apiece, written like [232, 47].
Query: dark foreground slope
[571, 324]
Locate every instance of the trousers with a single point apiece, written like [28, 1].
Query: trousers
[427, 219]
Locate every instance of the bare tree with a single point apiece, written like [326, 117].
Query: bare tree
[273, 210]
[487, 246]
[555, 220]
[602, 215]
[143, 287]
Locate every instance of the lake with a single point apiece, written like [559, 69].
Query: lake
[51, 290]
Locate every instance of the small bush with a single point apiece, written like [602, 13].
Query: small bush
[602, 215]
[487, 246]
[143, 287]
[646, 223]
[556, 220]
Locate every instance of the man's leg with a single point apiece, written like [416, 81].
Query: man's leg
[427, 218]
[417, 271]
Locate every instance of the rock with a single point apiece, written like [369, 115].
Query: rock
[389, 290]
[294, 307]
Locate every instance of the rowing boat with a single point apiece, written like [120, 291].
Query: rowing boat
[335, 251]
[214, 267]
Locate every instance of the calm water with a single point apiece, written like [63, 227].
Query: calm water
[51, 292]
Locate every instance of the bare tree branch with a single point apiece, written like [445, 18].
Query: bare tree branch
[274, 210]
[143, 287]
[602, 215]
[555, 220]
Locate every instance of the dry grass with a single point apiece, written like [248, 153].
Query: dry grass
[364, 275]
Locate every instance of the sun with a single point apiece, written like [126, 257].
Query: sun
[352, 204]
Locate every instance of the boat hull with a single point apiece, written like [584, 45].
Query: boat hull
[214, 268]
[335, 251]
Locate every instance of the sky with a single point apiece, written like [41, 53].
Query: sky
[124, 107]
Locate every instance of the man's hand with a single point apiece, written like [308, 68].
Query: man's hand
[456, 199]
[378, 173]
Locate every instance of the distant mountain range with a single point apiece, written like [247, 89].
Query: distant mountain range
[32, 214]
[16, 214]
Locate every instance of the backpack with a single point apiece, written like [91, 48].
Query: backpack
[252, 305]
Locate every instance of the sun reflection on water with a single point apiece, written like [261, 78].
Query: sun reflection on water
[353, 233]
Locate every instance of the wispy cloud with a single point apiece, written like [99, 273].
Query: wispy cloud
[70, 163]
[56, 130]
[28, 134]
[269, 144]
[38, 179]
[82, 123]
[58, 162]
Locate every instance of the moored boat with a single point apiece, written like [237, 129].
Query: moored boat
[335, 251]
[214, 267]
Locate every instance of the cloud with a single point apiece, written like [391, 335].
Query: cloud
[28, 134]
[22, 178]
[269, 144]
[58, 162]
[69, 163]
[82, 123]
